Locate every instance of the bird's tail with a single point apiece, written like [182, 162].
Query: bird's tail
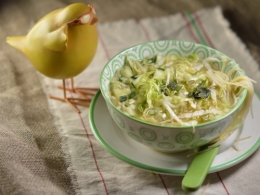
[16, 42]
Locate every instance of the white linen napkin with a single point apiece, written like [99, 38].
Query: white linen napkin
[92, 168]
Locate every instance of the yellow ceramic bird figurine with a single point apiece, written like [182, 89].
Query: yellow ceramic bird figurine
[61, 44]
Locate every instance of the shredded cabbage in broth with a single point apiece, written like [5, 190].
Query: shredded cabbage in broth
[180, 91]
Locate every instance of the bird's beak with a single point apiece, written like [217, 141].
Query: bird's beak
[93, 21]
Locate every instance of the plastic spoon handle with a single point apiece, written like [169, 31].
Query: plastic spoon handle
[198, 170]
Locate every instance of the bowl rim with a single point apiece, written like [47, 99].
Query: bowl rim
[234, 109]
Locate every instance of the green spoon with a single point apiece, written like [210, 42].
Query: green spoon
[198, 169]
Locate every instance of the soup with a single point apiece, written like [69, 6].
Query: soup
[177, 90]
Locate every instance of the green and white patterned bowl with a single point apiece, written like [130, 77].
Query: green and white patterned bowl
[166, 138]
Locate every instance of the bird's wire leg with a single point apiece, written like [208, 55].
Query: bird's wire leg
[65, 99]
[86, 93]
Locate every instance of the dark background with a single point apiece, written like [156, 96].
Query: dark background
[243, 15]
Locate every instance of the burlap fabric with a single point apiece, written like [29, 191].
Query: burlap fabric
[31, 160]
